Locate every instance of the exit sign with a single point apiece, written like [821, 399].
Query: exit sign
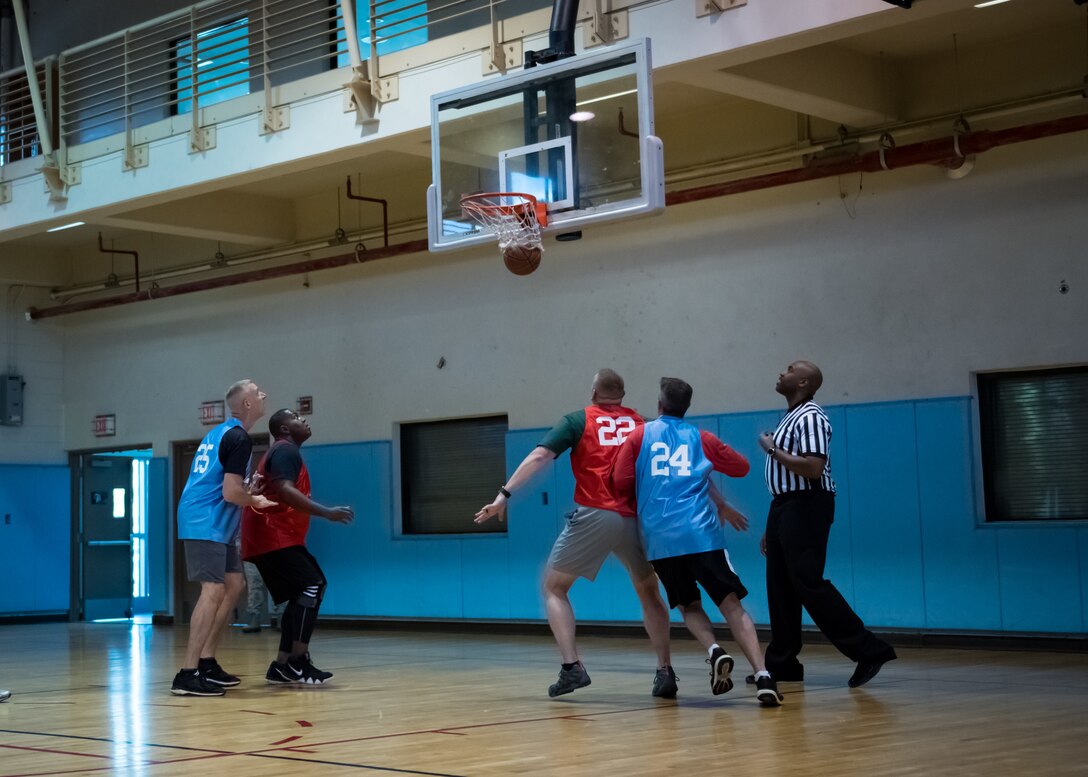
[104, 425]
[212, 413]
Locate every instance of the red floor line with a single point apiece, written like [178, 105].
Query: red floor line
[50, 750]
[584, 716]
[285, 741]
[305, 723]
[65, 771]
[258, 712]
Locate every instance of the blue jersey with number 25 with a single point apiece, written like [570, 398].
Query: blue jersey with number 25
[203, 514]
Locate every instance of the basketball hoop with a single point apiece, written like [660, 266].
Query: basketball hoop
[514, 218]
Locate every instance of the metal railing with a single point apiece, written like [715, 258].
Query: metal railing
[18, 127]
[167, 72]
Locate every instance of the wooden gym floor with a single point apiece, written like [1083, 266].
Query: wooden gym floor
[94, 698]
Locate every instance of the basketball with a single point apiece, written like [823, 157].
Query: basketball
[522, 260]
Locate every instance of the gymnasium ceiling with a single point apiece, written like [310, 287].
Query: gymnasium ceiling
[708, 112]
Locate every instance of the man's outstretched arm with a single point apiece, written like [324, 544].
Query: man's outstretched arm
[530, 467]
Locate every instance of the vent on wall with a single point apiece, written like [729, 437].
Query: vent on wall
[11, 400]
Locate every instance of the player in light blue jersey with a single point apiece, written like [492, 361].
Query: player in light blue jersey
[667, 463]
[209, 514]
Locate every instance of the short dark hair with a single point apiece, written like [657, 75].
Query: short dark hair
[278, 419]
[675, 397]
[609, 384]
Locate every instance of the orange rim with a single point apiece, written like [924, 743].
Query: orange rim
[530, 204]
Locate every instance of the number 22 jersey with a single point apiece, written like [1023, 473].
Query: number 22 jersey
[593, 436]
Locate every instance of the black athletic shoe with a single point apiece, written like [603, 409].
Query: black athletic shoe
[665, 683]
[721, 666]
[867, 669]
[214, 674]
[282, 674]
[767, 692]
[190, 682]
[311, 675]
[569, 680]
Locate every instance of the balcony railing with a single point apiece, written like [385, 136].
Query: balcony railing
[18, 127]
[222, 59]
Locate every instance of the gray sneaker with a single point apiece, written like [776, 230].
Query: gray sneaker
[721, 666]
[665, 683]
[569, 680]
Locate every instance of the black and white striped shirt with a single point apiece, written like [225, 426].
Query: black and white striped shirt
[803, 431]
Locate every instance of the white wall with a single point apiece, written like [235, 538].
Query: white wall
[927, 281]
[37, 353]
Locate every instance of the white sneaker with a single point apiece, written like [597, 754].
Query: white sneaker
[5, 695]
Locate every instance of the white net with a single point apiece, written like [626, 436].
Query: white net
[511, 217]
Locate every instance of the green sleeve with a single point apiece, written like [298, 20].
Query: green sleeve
[565, 434]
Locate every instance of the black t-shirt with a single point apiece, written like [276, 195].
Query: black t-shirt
[284, 462]
[235, 448]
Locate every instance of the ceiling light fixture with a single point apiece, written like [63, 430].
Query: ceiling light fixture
[988, 3]
[580, 103]
[67, 226]
[579, 116]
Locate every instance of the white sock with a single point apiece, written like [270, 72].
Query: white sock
[710, 650]
[763, 673]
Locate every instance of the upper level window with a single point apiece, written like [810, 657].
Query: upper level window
[400, 24]
[222, 65]
[448, 471]
[1033, 427]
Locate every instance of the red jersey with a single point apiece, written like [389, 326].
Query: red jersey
[607, 426]
[279, 526]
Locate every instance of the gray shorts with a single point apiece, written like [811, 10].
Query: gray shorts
[590, 535]
[208, 562]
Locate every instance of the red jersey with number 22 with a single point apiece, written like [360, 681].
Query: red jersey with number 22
[607, 426]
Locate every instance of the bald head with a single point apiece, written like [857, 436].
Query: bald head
[799, 382]
[812, 374]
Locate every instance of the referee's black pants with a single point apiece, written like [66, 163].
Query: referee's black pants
[798, 526]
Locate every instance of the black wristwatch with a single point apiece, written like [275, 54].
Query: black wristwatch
[771, 451]
[504, 492]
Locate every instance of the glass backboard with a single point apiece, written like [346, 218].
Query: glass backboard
[577, 134]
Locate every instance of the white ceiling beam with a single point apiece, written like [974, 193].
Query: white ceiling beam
[829, 82]
[230, 217]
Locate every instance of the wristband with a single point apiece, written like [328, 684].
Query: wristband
[504, 492]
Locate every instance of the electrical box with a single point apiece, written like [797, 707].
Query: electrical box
[11, 400]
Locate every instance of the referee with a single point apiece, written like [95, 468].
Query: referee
[798, 476]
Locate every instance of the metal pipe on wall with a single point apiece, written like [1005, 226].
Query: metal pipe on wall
[942, 151]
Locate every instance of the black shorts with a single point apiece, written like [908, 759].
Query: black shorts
[710, 569]
[287, 572]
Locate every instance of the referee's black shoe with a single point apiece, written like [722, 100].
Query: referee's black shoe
[867, 668]
[789, 676]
